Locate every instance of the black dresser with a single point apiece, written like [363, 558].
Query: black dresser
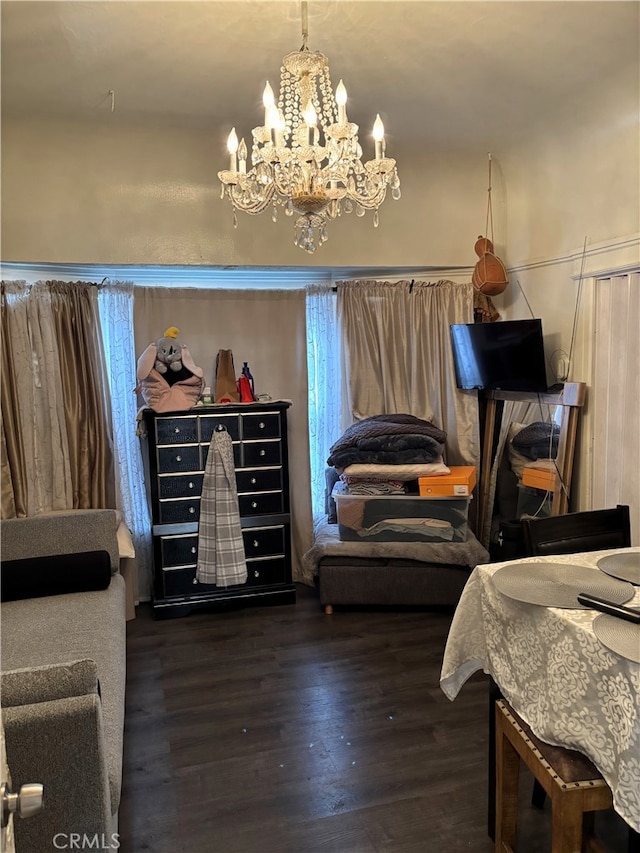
[175, 448]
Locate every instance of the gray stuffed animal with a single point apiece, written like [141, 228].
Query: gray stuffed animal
[169, 354]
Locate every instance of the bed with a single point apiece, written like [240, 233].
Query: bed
[389, 573]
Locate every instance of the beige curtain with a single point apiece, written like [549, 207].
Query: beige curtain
[397, 356]
[265, 328]
[56, 420]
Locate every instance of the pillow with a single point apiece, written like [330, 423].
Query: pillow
[35, 577]
[538, 440]
[125, 542]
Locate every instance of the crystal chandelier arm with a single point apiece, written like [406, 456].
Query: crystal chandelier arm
[248, 203]
[369, 202]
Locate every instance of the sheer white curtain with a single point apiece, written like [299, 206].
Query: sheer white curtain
[116, 318]
[397, 356]
[325, 391]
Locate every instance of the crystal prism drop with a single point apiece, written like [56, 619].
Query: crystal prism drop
[222, 191]
[396, 193]
[235, 220]
[376, 219]
[274, 215]
[360, 211]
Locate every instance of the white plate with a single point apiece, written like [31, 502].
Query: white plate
[558, 584]
[618, 635]
[624, 565]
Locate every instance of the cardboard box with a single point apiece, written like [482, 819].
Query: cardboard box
[540, 478]
[459, 483]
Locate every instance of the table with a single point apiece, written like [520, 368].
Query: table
[550, 666]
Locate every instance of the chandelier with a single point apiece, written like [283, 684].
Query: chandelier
[306, 156]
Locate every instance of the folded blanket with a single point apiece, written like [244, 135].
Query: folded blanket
[388, 439]
[419, 455]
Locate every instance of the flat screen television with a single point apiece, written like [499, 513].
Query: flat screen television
[507, 355]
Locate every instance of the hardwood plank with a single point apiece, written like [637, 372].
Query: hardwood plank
[283, 730]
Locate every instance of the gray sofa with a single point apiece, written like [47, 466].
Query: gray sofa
[63, 673]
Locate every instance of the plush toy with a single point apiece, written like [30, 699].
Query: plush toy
[168, 378]
[169, 352]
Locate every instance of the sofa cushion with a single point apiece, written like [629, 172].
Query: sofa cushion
[46, 683]
[34, 577]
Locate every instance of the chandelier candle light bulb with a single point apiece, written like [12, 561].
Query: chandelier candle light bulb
[232, 146]
[292, 168]
[378, 135]
[341, 100]
[268, 101]
[311, 120]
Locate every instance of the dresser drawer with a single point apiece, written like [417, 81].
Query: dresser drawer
[264, 541]
[255, 453]
[181, 550]
[262, 425]
[174, 459]
[179, 511]
[259, 480]
[208, 423]
[266, 572]
[180, 485]
[236, 454]
[182, 582]
[177, 430]
[262, 503]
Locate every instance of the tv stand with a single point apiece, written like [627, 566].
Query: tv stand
[571, 397]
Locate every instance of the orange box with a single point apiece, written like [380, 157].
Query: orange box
[459, 483]
[539, 478]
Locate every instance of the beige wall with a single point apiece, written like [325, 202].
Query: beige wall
[131, 195]
[128, 195]
[122, 194]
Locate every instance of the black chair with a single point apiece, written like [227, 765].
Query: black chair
[593, 530]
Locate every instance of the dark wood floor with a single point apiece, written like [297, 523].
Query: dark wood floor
[282, 730]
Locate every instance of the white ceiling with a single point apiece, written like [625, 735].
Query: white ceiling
[432, 69]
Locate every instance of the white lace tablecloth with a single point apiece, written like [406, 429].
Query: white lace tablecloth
[557, 675]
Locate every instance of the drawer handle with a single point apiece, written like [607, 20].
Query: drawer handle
[191, 485]
[263, 452]
[178, 458]
[253, 481]
[177, 430]
[255, 543]
[192, 509]
[253, 504]
[256, 573]
[262, 424]
[194, 581]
